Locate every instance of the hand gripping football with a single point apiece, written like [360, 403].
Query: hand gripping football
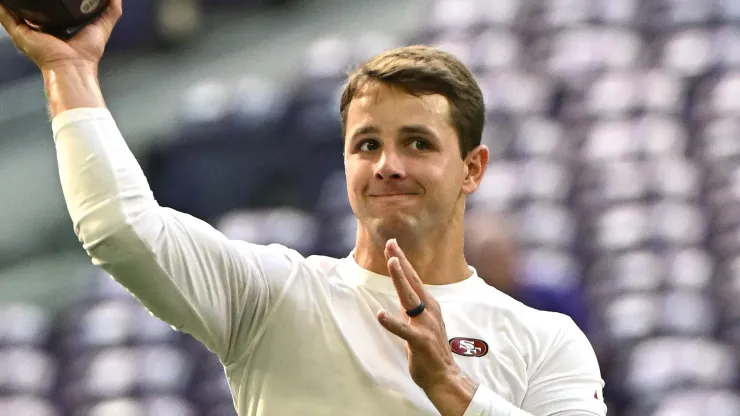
[61, 18]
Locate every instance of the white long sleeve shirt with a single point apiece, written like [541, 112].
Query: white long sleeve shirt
[299, 335]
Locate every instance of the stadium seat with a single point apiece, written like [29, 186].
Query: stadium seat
[28, 405]
[685, 402]
[24, 325]
[149, 406]
[111, 323]
[286, 226]
[27, 371]
[662, 364]
[120, 372]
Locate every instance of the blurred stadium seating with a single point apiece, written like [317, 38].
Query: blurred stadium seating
[614, 128]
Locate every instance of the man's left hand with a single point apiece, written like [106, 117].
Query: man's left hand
[431, 363]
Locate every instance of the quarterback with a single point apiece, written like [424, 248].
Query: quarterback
[401, 326]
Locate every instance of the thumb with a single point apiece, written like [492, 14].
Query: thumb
[105, 22]
[110, 16]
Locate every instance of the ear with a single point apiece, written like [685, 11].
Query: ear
[475, 167]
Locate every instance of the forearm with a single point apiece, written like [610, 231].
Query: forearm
[453, 396]
[72, 85]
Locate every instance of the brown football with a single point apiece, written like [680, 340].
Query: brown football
[58, 17]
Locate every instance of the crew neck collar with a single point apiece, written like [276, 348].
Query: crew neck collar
[380, 283]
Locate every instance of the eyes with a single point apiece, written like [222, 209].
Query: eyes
[415, 143]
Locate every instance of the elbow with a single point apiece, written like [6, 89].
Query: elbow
[110, 234]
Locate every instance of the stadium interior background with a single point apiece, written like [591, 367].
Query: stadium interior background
[616, 138]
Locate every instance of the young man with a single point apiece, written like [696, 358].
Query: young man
[362, 335]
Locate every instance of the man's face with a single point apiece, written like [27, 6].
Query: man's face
[402, 161]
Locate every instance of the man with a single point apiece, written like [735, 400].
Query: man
[322, 336]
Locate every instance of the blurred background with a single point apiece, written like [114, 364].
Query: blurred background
[613, 193]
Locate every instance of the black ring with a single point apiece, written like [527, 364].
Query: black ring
[416, 311]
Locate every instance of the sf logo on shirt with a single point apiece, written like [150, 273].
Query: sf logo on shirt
[469, 347]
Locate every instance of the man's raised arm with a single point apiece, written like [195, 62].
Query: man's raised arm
[183, 270]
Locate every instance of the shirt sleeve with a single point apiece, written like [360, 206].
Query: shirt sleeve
[567, 383]
[181, 269]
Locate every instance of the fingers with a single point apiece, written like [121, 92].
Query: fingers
[398, 327]
[109, 17]
[393, 249]
[113, 12]
[406, 294]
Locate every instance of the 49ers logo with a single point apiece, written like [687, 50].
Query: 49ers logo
[469, 347]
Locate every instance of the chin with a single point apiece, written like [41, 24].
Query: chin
[397, 226]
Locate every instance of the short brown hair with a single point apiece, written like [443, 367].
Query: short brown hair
[423, 70]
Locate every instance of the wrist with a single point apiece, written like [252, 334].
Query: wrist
[67, 65]
[72, 84]
[452, 395]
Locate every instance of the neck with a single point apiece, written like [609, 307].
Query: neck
[438, 259]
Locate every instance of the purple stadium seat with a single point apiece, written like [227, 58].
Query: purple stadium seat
[24, 325]
[125, 372]
[27, 405]
[149, 406]
[541, 138]
[622, 13]
[610, 182]
[688, 52]
[254, 108]
[546, 180]
[453, 16]
[689, 268]
[287, 226]
[661, 136]
[634, 271]
[685, 402]
[662, 92]
[500, 189]
[678, 223]
[623, 227]
[27, 371]
[659, 365]
[113, 322]
[675, 177]
[611, 139]
[614, 94]
[542, 223]
[629, 318]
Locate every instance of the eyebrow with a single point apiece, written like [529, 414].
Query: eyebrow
[409, 129]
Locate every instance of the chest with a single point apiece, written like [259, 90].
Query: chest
[338, 336]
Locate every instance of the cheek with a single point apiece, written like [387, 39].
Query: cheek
[355, 180]
[447, 179]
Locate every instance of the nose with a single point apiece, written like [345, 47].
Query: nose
[390, 166]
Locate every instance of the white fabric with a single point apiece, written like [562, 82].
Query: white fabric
[299, 335]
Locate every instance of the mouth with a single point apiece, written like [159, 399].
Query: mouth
[392, 195]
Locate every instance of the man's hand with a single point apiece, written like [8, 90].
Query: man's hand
[431, 363]
[48, 52]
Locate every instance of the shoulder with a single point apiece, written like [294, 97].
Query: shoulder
[538, 335]
[521, 317]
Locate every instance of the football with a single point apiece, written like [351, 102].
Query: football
[61, 18]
